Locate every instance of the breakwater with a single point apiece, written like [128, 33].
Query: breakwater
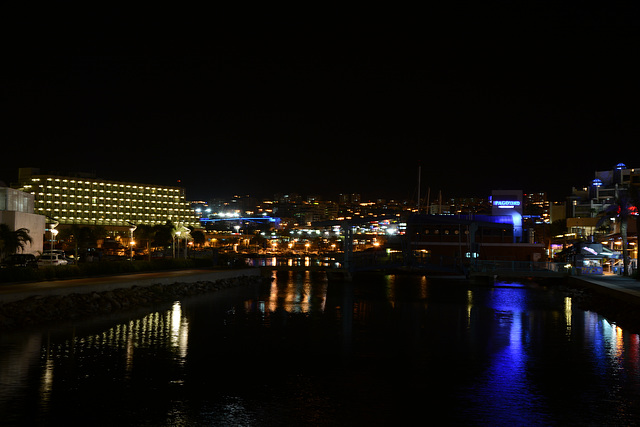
[37, 309]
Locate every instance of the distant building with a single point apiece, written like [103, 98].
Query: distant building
[557, 212]
[498, 236]
[509, 203]
[536, 204]
[17, 211]
[349, 199]
[585, 206]
[87, 200]
[602, 191]
[447, 238]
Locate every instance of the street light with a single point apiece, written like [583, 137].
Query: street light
[131, 242]
[186, 238]
[54, 233]
[52, 229]
[176, 235]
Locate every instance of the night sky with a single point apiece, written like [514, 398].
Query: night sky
[494, 96]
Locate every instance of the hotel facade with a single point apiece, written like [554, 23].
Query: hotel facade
[86, 200]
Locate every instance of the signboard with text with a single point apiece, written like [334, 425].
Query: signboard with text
[503, 201]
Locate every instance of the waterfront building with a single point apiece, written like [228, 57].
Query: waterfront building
[87, 200]
[450, 239]
[590, 258]
[602, 191]
[586, 206]
[498, 236]
[17, 211]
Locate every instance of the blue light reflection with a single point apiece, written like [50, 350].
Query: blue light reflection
[504, 393]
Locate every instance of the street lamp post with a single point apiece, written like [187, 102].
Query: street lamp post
[186, 241]
[54, 233]
[52, 229]
[176, 239]
[131, 242]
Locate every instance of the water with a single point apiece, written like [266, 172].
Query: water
[383, 350]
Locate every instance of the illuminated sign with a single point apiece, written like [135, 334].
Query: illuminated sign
[590, 250]
[506, 204]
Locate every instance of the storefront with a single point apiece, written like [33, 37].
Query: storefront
[589, 258]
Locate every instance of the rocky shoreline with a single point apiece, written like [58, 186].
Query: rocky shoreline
[41, 309]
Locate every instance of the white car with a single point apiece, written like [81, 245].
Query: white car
[51, 259]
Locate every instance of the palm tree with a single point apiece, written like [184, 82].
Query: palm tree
[72, 233]
[11, 241]
[634, 193]
[622, 209]
[163, 234]
[145, 233]
[83, 237]
[198, 237]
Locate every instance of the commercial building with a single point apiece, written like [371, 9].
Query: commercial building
[602, 191]
[17, 211]
[584, 215]
[87, 200]
[446, 238]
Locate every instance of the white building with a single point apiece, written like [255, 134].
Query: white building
[16, 211]
[112, 204]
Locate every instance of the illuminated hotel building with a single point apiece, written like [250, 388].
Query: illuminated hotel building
[94, 201]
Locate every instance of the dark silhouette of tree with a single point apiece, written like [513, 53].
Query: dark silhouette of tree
[198, 237]
[145, 235]
[12, 240]
[163, 235]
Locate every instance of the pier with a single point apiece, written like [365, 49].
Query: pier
[623, 288]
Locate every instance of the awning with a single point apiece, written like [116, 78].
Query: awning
[608, 253]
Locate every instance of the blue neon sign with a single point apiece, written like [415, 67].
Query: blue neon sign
[506, 204]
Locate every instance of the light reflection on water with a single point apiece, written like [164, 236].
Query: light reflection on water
[302, 349]
[503, 393]
[299, 292]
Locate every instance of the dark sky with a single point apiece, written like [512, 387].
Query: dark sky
[533, 97]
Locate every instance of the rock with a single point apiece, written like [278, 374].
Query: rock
[39, 309]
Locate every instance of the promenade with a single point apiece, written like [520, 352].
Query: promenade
[621, 287]
[17, 291]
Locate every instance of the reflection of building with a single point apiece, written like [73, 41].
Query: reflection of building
[92, 201]
[16, 211]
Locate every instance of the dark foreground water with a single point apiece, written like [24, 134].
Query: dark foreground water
[383, 350]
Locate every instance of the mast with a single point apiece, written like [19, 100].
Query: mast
[419, 173]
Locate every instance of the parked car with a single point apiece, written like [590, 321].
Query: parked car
[53, 251]
[70, 260]
[20, 260]
[51, 259]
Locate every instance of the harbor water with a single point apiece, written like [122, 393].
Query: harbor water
[302, 350]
